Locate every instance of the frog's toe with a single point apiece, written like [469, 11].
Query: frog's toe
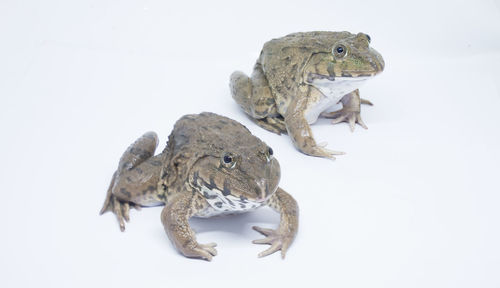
[204, 251]
[120, 209]
[364, 101]
[319, 151]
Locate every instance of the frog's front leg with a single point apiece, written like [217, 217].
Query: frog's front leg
[255, 98]
[282, 238]
[350, 112]
[175, 218]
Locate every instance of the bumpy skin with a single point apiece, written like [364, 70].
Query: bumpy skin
[212, 165]
[303, 74]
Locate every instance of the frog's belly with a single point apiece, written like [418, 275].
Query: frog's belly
[314, 110]
[222, 205]
[331, 93]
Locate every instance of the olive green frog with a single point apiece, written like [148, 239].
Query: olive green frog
[300, 77]
[212, 165]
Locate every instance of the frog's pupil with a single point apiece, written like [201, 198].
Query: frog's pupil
[270, 151]
[227, 159]
[340, 49]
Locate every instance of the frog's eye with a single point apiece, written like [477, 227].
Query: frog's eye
[269, 154]
[369, 38]
[339, 51]
[228, 160]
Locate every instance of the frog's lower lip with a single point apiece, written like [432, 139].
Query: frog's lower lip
[345, 76]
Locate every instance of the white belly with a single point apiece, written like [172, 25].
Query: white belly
[332, 92]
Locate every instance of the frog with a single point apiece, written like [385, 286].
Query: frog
[303, 76]
[211, 166]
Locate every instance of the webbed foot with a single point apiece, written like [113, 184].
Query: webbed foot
[351, 117]
[278, 240]
[350, 112]
[120, 208]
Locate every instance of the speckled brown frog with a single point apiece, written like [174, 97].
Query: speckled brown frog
[300, 76]
[212, 165]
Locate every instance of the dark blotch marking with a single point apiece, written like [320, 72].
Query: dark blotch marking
[156, 163]
[138, 170]
[257, 191]
[212, 184]
[218, 204]
[243, 199]
[125, 192]
[226, 191]
[208, 196]
[196, 175]
[150, 189]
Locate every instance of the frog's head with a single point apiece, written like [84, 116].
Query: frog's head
[346, 66]
[239, 174]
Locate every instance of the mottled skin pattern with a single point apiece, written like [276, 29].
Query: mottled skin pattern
[299, 76]
[212, 165]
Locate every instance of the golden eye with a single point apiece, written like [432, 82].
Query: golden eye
[228, 160]
[339, 51]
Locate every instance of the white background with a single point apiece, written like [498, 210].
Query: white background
[413, 203]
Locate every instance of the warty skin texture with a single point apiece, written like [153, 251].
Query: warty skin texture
[212, 165]
[300, 76]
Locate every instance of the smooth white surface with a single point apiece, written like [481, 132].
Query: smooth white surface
[414, 203]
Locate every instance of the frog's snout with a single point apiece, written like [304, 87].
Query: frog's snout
[377, 62]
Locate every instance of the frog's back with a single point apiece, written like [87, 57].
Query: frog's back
[197, 135]
[283, 60]
[309, 42]
[207, 131]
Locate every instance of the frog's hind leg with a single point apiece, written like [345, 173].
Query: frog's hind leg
[350, 112]
[254, 96]
[128, 182]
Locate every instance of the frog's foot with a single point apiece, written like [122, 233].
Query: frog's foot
[203, 251]
[275, 238]
[321, 151]
[351, 117]
[120, 208]
[307, 145]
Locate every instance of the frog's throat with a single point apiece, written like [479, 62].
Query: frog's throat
[334, 88]
[227, 203]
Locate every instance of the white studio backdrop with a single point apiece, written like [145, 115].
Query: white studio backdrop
[413, 203]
